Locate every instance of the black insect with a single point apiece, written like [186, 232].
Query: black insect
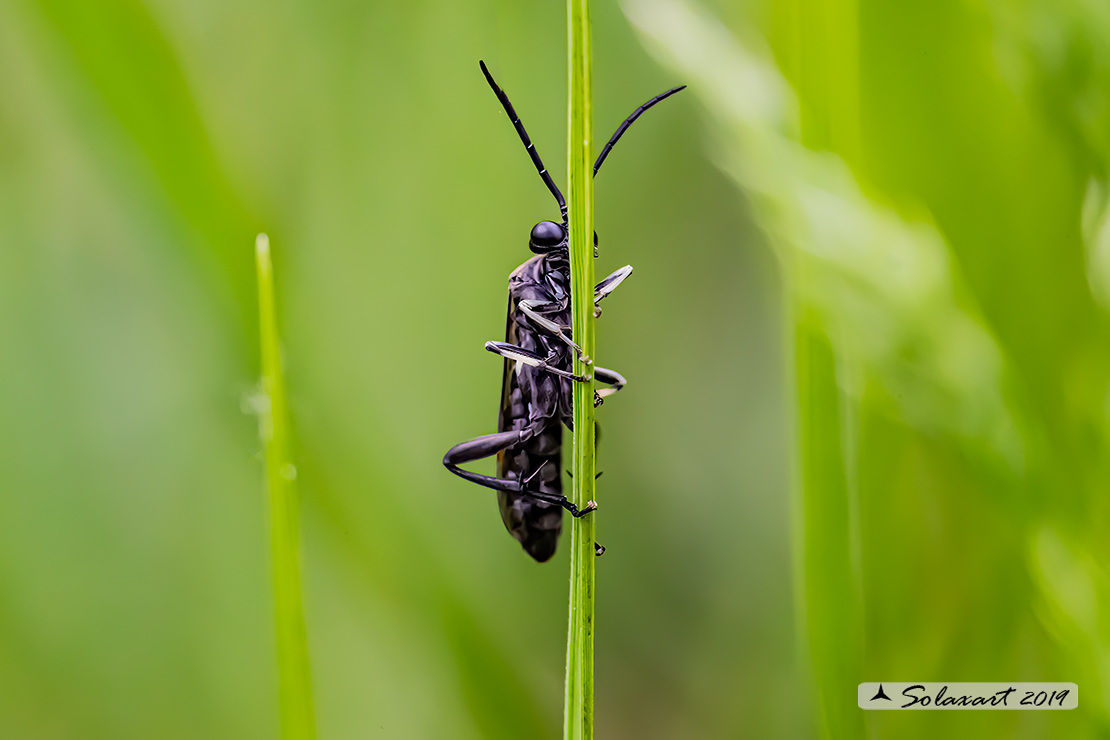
[536, 390]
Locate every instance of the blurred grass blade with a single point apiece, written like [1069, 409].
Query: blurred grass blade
[828, 580]
[160, 114]
[578, 719]
[878, 317]
[828, 576]
[1096, 239]
[1072, 583]
[884, 289]
[297, 714]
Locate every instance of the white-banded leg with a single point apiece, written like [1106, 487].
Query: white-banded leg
[519, 354]
[614, 379]
[531, 309]
[608, 285]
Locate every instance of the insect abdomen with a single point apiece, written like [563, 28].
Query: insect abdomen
[535, 524]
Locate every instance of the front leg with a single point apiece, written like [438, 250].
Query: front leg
[608, 285]
[532, 308]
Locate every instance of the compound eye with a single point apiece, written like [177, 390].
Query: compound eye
[547, 234]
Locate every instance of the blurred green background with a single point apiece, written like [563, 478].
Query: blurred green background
[865, 435]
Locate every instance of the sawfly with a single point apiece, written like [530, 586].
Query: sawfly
[536, 387]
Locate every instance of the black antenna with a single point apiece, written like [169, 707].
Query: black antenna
[528, 142]
[628, 122]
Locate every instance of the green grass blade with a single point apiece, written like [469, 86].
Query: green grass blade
[578, 716]
[828, 579]
[828, 576]
[297, 714]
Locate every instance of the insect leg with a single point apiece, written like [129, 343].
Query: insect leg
[519, 354]
[491, 444]
[530, 308]
[485, 446]
[615, 380]
[608, 285]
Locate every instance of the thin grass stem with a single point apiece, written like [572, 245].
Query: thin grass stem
[578, 718]
[295, 687]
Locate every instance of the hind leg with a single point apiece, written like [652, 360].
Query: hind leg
[491, 444]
